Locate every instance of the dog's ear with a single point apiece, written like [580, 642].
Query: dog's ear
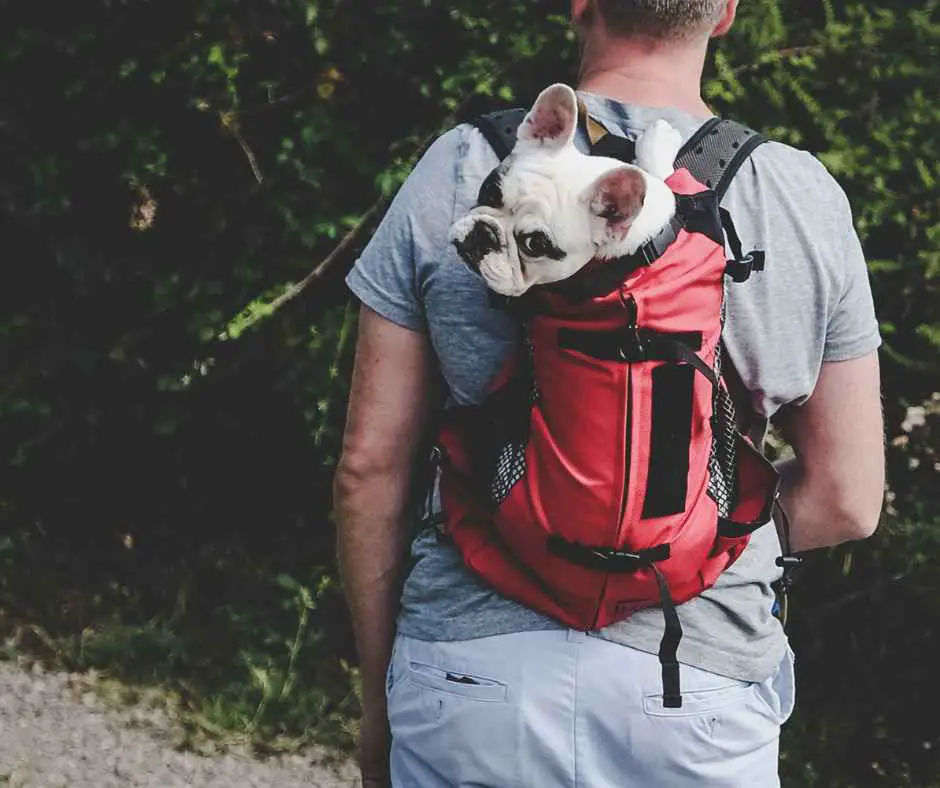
[617, 197]
[553, 119]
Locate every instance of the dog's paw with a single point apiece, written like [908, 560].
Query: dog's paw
[657, 148]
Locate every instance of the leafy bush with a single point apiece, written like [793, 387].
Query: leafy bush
[171, 406]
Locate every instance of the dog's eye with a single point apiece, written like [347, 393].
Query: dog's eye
[535, 244]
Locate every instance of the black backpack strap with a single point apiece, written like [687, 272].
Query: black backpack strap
[715, 153]
[499, 128]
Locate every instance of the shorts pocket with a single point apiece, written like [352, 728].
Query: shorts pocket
[392, 672]
[777, 694]
[699, 701]
[460, 684]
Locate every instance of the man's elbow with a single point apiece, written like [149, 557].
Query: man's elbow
[858, 511]
[360, 473]
[353, 475]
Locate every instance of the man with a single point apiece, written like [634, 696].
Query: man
[481, 691]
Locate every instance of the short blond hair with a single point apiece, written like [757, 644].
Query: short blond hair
[660, 19]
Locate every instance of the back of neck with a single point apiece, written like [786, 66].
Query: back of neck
[646, 73]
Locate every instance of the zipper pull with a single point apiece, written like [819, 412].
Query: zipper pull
[632, 347]
[628, 304]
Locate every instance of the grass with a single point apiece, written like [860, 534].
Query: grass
[234, 648]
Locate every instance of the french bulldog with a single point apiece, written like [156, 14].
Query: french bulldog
[548, 209]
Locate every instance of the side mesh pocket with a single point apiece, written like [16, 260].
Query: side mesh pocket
[722, 463]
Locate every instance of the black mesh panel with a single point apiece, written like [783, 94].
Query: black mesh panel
[510, 468]
[509, 465]
[722, 464]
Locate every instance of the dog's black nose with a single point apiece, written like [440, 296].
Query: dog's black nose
[477, 244]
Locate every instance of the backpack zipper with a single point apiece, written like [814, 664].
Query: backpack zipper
[628, 302]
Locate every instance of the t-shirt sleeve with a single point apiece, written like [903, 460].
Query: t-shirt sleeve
[852, 330]
[386, 277]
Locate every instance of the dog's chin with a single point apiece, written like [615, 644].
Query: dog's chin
[501, 277]
[510, 292]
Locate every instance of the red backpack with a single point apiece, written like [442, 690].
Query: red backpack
[604, 472]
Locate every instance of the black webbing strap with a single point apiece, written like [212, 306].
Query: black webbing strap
[731, 233]
[500, 128]
[788, 562]
[669, 645]
[741, 265]
[605, 278]
[627, 343]
[715, 153]
[613, 146]
[668, 349]
[609, 560]
[733, 530]
[606, 559]
[634, 344]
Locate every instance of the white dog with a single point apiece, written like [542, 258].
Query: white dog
[549, 209]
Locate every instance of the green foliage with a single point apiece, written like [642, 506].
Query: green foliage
[852, 83]
[171, 415]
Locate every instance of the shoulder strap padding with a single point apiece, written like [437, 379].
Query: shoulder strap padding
[499, 128]
[715, 153]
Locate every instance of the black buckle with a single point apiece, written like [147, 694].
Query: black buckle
[632, 346]
[740, 270]
[788, 561]
[616, 555]
[648, 251]
[606, 559]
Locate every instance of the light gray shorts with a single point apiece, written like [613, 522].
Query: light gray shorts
[559, 709]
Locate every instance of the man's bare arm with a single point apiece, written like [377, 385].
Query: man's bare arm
[833, 490]
[388, 405]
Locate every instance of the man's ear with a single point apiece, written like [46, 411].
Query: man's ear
[553, 119]
[580, 10]
[726, 20]
[617, 197]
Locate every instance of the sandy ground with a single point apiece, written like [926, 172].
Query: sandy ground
[56, 733]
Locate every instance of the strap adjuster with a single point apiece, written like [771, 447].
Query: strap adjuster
[632, 346]
[649, 253]
[740, 270]
[606, 559]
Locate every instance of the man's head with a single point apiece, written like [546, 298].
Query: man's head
[657, 20]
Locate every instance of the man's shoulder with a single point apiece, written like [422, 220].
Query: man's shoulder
[790, 192]
[784, 165]
[455, 161]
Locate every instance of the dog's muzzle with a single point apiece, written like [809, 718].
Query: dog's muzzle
[482, 239]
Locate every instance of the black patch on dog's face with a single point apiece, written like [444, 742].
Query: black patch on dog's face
[477, 244]
[491, 191]
[538, 244]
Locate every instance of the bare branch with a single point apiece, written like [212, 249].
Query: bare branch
[230, 123]
[347, 241]
[777, 55]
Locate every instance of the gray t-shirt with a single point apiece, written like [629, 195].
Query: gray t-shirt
[812, 304]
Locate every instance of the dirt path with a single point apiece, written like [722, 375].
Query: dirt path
[55, 734]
